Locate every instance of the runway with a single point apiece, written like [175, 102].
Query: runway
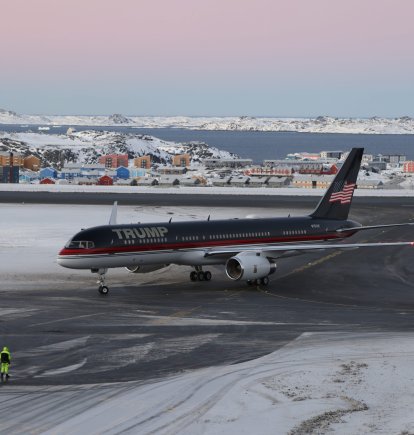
[62, 333]
[190, 199]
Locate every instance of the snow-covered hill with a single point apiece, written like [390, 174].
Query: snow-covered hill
[87, 146]
[321, 124]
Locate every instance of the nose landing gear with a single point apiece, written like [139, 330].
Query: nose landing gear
[102, 289]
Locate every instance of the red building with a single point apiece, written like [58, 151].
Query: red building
[114, 160]
[409, 166]
[105, 180]
[47, 181]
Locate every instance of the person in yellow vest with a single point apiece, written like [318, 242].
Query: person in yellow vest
[5, 360]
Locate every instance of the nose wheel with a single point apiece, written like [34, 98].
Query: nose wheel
[102, 289]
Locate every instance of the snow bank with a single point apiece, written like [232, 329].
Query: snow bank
[341, 382]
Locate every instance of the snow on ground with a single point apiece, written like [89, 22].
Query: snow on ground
[320, 124]
[207, 190]
[346, 383]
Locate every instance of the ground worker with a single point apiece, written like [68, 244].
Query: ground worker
[5, 362]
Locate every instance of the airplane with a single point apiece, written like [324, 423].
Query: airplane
[248, 248]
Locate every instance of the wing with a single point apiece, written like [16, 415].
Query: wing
[372, 227]
[288, 250]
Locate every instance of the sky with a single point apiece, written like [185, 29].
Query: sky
[287, 58]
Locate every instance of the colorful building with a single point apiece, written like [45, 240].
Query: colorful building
[114, 160]
[32, 162]
[137, 172]
[105, 180]
[10, 159]
[27, 176]
[143, 162]
[181, 160]
[47, 180]
[9, 174]
[48, 173]
[408, 166]
[122, 172]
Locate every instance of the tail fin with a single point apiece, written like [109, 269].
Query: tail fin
[336, 202]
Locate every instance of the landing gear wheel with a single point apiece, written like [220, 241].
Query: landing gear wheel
[103, 290]
[207, 275]
[193, 276]
[264, 281]
[200, 275]
[251, 283]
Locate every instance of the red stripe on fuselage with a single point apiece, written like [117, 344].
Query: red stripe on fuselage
[202, 244]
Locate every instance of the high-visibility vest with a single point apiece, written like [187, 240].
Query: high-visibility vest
[5, 357]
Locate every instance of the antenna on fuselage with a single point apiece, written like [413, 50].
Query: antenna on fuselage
[112, 219]
[208, 217]
[170, 220]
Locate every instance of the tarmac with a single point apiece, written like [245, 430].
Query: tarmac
[63, 333]
[161, 323]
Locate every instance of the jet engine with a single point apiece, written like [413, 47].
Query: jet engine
[145, 268]
[249, 266]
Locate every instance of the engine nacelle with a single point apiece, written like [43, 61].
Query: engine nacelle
[145, 268]
[249, 266]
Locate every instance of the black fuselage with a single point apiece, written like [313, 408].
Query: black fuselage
[204, 234]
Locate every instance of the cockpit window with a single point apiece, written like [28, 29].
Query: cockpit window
[80, 244]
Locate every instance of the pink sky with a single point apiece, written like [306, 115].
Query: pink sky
[217, 40]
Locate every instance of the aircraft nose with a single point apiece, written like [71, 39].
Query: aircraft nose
[62, 258]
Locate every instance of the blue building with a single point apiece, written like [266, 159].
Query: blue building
[9, 174]
[28, 176]
[122, 172]
[69, 174]
[48, 173]
[137, 172]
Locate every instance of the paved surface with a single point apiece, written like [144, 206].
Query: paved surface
[62, 332]
[206, 200]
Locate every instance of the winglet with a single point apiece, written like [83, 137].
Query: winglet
[112, 219]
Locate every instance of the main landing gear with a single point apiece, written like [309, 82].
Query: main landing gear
[262, 281]
[102, 289]
[199, 275]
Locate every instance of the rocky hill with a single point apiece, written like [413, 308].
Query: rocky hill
[320, 124]
[87, 146]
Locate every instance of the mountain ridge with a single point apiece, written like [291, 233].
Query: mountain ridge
[319, 124]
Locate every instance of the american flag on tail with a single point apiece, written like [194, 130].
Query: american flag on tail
[342, 192]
